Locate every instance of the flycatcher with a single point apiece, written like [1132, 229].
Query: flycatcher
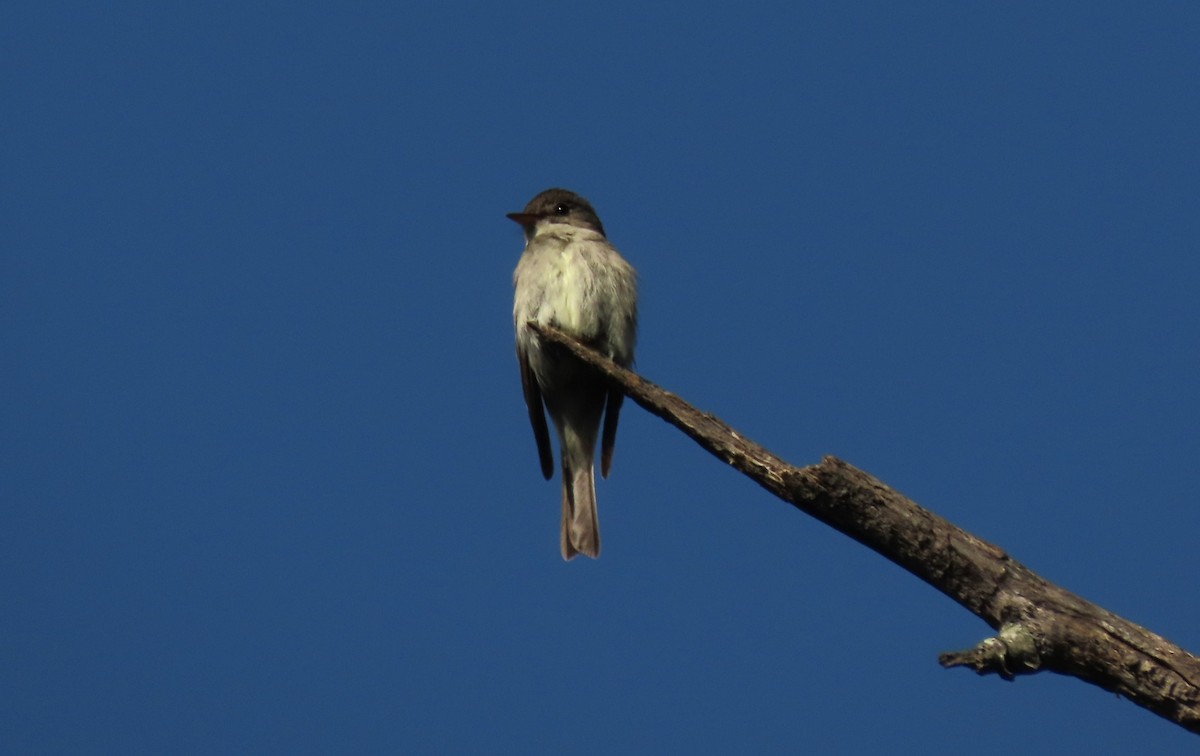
[571, 278]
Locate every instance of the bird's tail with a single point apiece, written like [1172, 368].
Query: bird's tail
[580, 527]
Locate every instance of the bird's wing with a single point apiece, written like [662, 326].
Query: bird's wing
[537, 416]
[611, 413]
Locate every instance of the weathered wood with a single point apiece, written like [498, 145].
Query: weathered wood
[1040, 627]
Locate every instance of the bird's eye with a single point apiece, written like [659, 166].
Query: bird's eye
[562, 208]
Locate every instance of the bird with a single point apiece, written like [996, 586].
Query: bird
[571, 278]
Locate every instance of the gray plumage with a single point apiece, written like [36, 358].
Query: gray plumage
[571, 277]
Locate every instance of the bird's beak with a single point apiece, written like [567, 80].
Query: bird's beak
[528, 220]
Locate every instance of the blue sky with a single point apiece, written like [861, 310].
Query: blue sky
[266, 479]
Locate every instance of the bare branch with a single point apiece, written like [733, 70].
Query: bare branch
[1041, 627]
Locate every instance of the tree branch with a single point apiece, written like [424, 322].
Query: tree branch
[1041, 627]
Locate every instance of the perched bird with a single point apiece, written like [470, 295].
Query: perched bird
[571, 278]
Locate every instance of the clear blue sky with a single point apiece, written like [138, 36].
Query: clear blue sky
[267, 481]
